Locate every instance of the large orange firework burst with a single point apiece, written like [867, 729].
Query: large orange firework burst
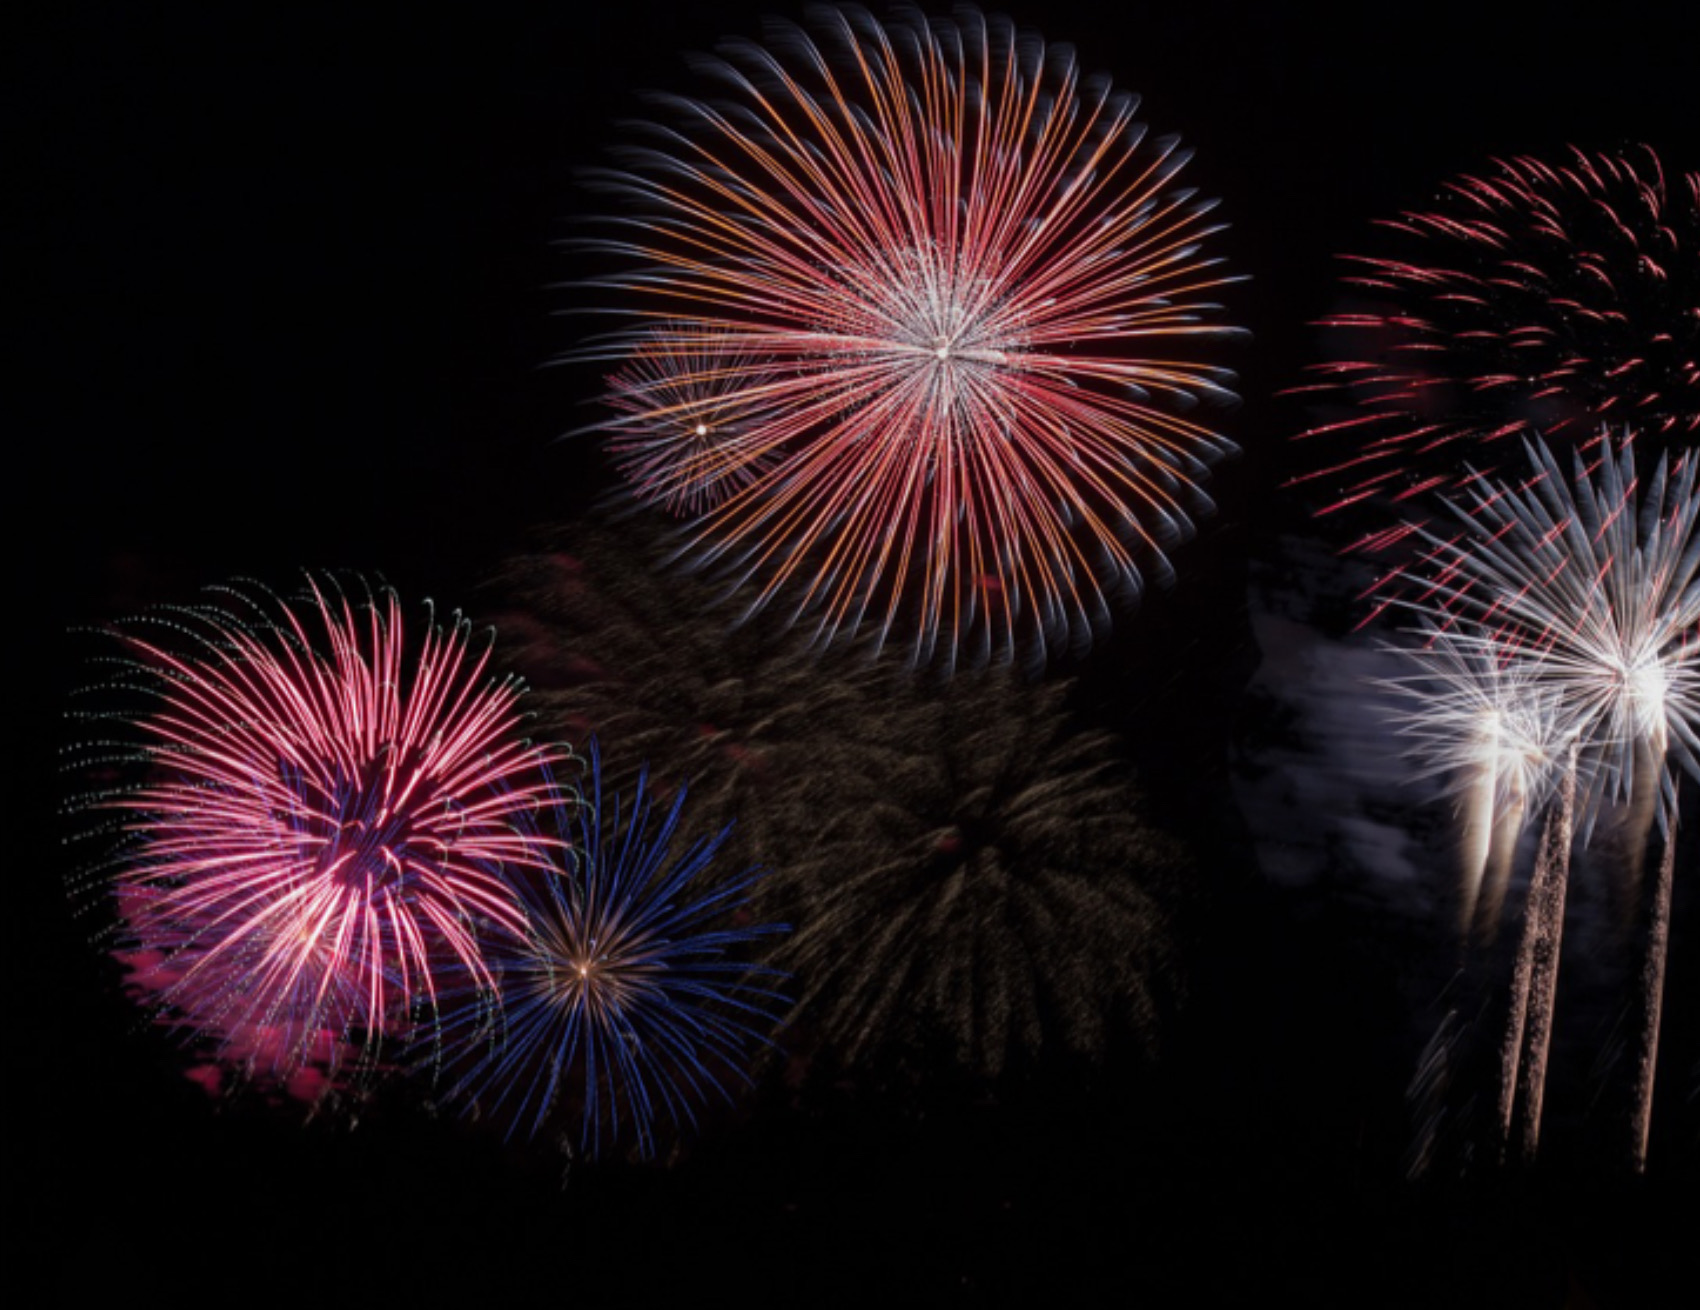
[969, 297]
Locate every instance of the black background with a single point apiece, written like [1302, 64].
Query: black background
[286, 292]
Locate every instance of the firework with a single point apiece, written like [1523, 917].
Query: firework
[1590, 586]
[1477, 718]
[1597, 594]
[619, 649]
[968, 295]
[992, 893]
[686, 434]
[918, 833]
[1537, 299]
[630, 996]
[322, 824]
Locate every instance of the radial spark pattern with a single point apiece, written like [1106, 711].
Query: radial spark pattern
[972, 302]
[631, 997]
[686, 431]
[321, 832]
[1535, 299]
[1593, 583]
[992, 894]
[1474, 716]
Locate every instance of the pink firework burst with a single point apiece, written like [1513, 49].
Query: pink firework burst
[1537, 300]
[970, 297]
[325, 827]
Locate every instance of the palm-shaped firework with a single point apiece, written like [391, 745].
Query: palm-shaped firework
[1593, 584]
[1586, 590]
[630, 997]
[1481, 721]
[968, 294]
[324, 821]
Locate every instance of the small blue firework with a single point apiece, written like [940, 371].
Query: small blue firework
[631, 992]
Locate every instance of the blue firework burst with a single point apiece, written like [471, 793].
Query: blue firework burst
[631, 997]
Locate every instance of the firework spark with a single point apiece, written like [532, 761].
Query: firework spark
[969, 295]
[321, 832]
[630, 995]
[1538, 299]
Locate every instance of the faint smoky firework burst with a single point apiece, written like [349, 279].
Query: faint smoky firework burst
[993, 892]
[617, 647]
[969, 296]
[319, 825]
[631, 997]
[1538, 299]
[686, 427]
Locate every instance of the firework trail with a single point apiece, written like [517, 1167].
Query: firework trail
[1535, 300]
[1534, 984]
[630, 995]
[321, 830]
[1590, 586]
[969, 295]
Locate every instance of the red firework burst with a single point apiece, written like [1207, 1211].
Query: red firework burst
[1538, 300]
[967, 292]
[323, 830]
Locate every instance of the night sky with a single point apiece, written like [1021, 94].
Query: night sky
[290, 282]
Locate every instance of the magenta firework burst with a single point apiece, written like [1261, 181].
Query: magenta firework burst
[974, 314]
[323, 825]
[1537, 299]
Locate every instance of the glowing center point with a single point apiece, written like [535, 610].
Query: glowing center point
[1646, 684]
[701, 429]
